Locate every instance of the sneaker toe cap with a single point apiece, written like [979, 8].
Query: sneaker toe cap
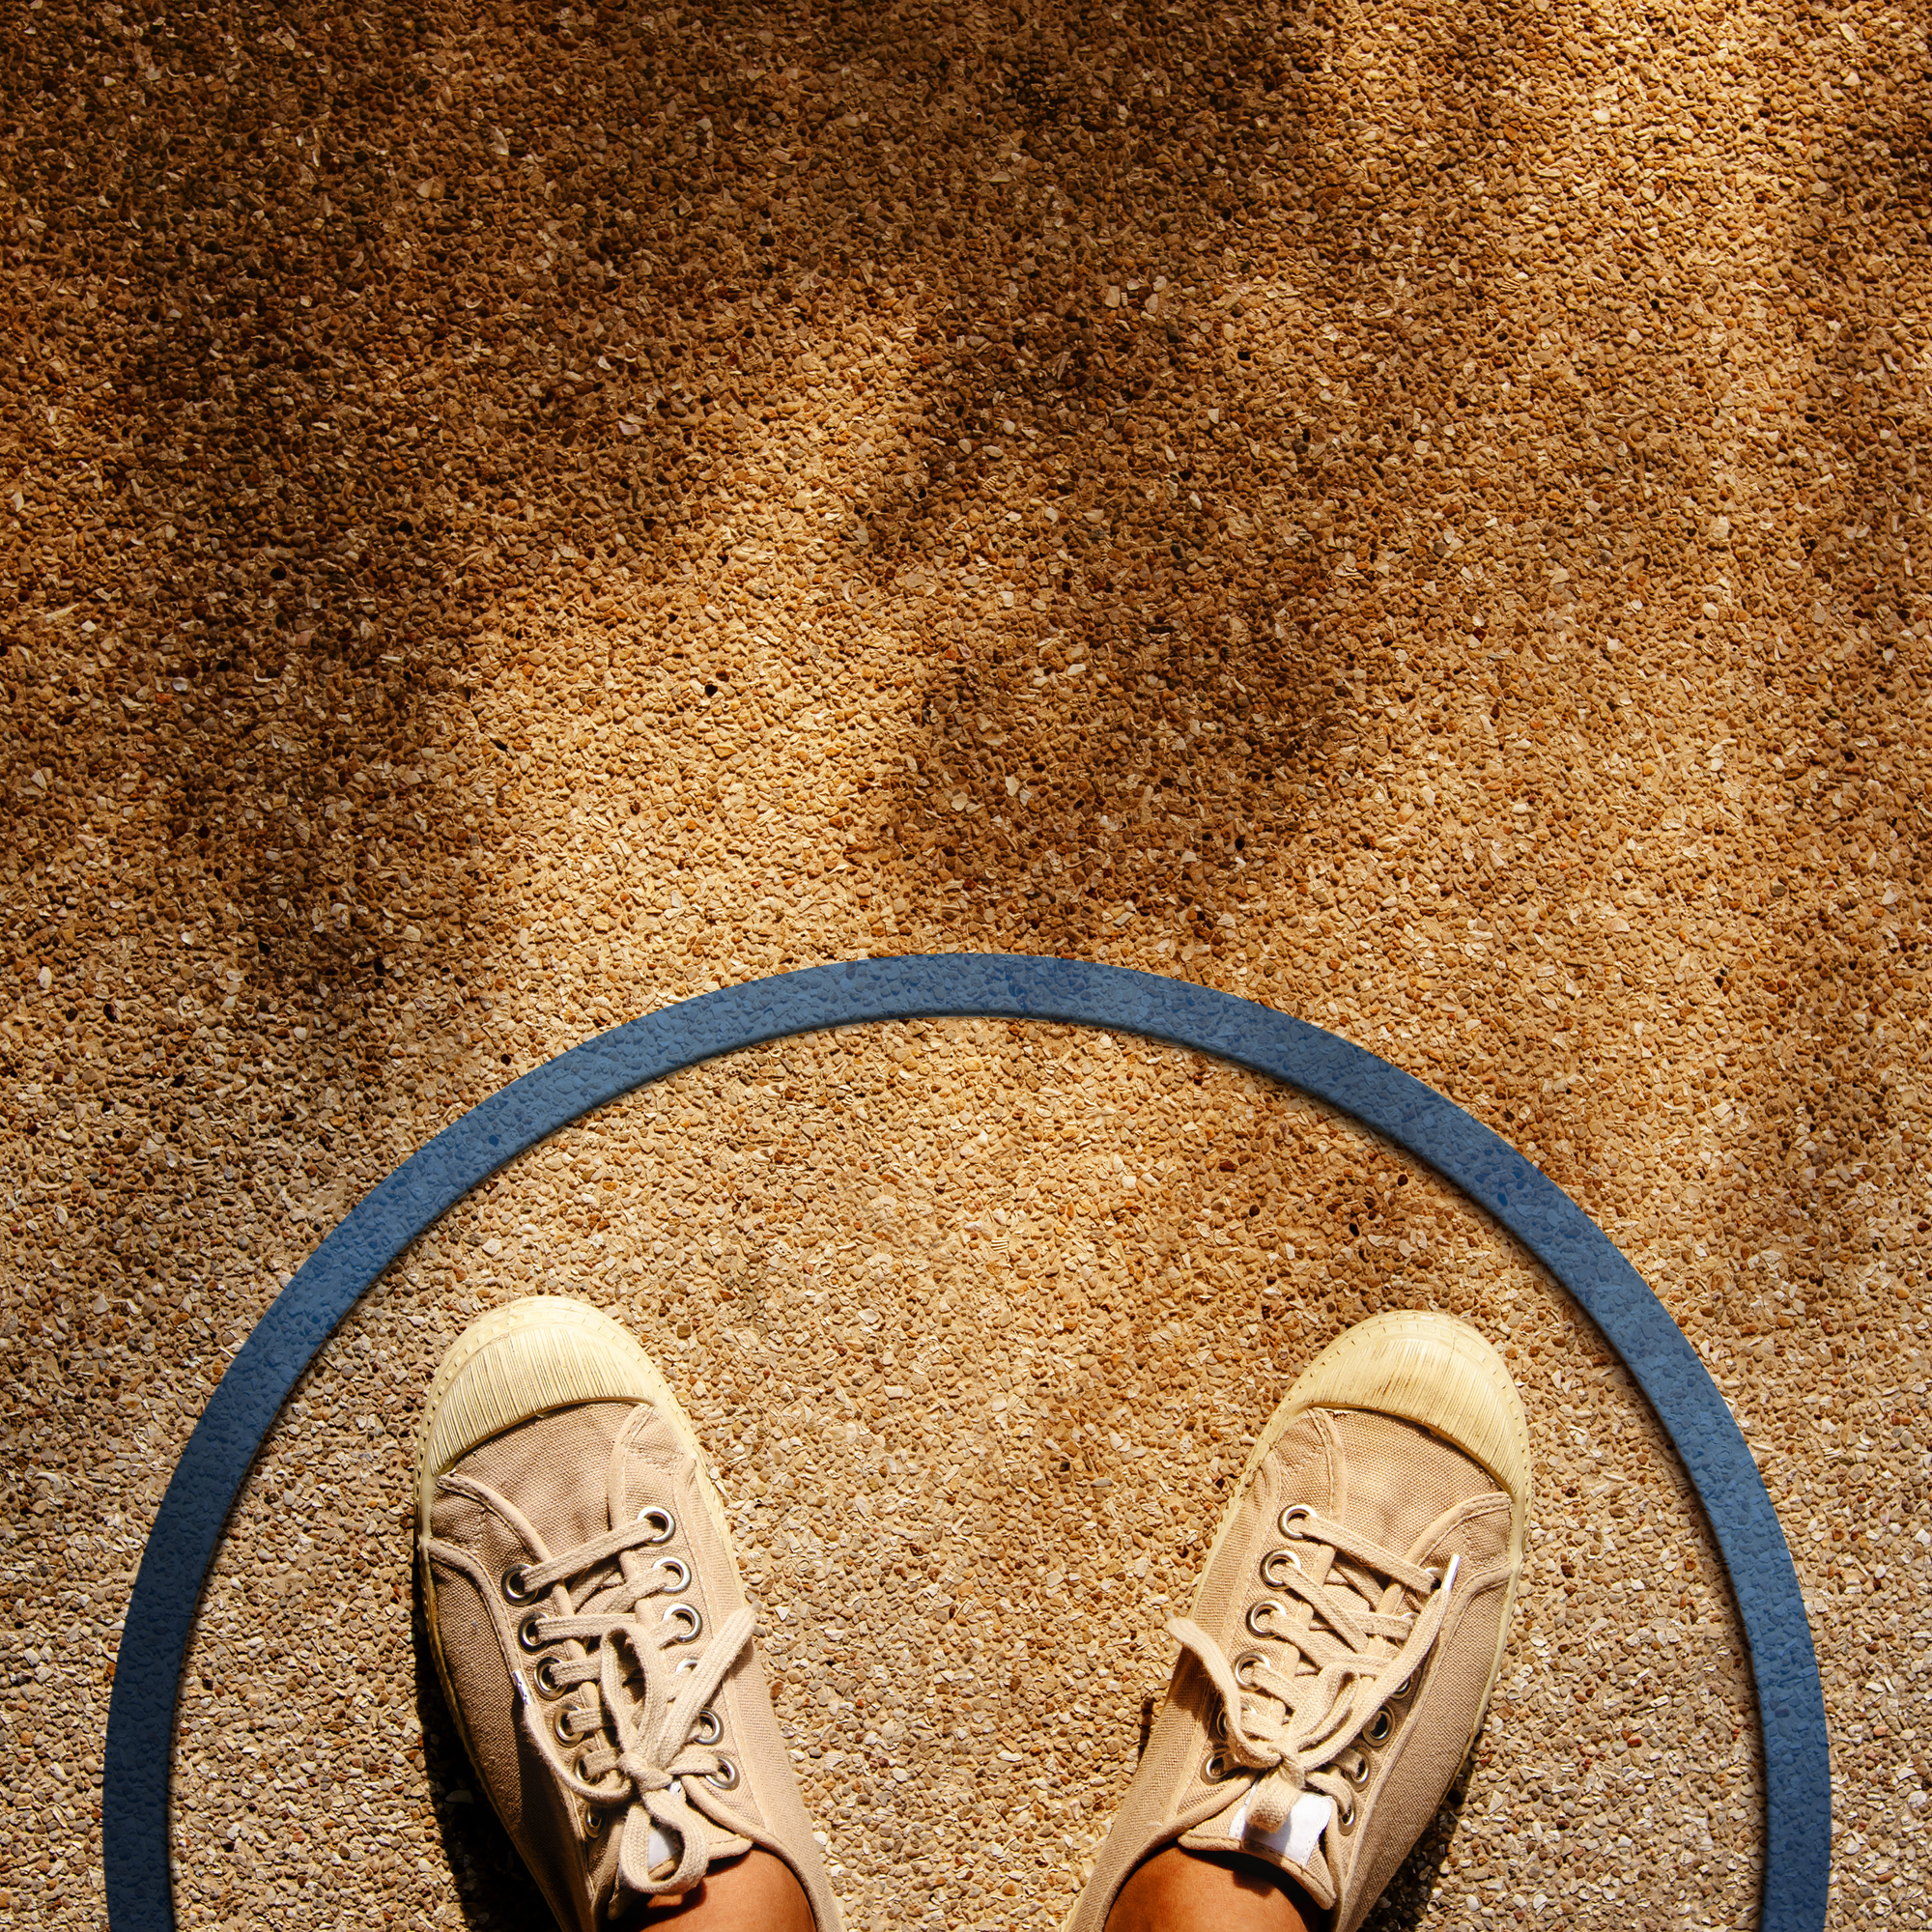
[528, 1358]
[1432, 1370]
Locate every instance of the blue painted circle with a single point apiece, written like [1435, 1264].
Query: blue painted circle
[215, 1464]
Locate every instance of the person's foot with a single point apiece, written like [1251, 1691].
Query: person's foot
[1346, 1632]
[590, 1630]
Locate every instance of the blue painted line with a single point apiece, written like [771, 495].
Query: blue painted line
[215, 1464]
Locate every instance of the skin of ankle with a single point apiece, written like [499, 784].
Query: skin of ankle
[752, 1893]
[1185, 1891]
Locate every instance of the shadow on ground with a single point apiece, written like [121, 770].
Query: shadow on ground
[266, 567]
[386, 201]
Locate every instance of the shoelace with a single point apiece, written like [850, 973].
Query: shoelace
[1353, 1647]
[656, 1706]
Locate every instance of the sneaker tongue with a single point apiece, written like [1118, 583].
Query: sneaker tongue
[1295, 1849]
[654, 1849]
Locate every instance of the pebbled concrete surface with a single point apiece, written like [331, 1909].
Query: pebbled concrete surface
[1410, 517]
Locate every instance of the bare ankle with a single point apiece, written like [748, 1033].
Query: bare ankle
[753, 1893]
[1178, 1890]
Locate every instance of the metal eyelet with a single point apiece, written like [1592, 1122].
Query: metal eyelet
[724, 1777]
[683, 1570]
[1218, 1768]
[1248, 1661]
[545, 1676]
[1218, 1724]
[1268, 1606]
[710, 1727]
[1345, 1812]
[662, 1521]
[527, 1633]
[593, 1824]
[1359, 1774]
[686, 1616]
[1376, 1731]
[566, 1731]
[1289, 1514]
[1402, 1689]
[1271, 1570]
[514, 1591]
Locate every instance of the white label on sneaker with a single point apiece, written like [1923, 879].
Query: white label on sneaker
[661, 1848]
[1297, 1834]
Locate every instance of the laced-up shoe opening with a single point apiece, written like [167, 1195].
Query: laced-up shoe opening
[1352, 1622]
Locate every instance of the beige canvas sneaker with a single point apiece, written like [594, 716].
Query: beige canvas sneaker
[589, 1627]
[1348, 1625]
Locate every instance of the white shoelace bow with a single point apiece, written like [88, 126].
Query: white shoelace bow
[653, 1702]
[1353, 1646]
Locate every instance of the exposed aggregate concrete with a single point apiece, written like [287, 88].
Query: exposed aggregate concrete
[513, 518]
